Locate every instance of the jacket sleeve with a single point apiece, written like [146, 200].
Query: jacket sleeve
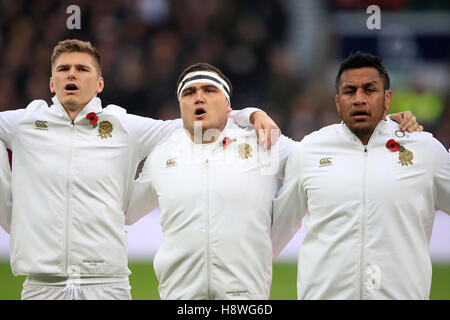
[242, 117]
[441, 177]
[9, 121]
[143, 197]
[5, 189]
[273, 160]
[290, 204]
[286, 147]
[147, 133]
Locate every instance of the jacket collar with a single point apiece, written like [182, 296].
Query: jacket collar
[209, 147]
[95, 105]
[382, 128]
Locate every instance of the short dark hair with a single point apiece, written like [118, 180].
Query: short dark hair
[202, 66]
[360, 60]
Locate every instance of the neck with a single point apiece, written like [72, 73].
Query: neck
[72, 114]
[364, 134]
[200, 135]
[364, 138]
[73, 111]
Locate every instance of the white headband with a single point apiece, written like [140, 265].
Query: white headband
[204, 77]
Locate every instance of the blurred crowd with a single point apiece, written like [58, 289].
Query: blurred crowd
[145, 45]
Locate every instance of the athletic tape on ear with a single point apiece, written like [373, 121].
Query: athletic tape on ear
[204, 77]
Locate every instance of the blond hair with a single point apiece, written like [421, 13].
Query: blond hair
[74, 45]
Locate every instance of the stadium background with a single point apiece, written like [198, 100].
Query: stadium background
[280, 55]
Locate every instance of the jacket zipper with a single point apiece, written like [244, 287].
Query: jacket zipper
[364, 212]
[363, 226]
[68, 196]
[207, 237]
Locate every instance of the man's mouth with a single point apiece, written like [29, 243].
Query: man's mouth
[199, 112]
[70, 88]
[360, 115]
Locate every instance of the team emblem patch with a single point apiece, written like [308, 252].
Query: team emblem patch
[405, 156]
[244, 150]
[104, 129]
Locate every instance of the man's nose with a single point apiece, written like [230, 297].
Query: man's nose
[360, 97]
[72, 73]
[199, 97]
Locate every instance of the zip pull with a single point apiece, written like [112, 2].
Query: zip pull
[365, 148]
[72, 123]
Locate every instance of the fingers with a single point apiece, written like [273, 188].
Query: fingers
[267, 138]
[405, 120]
[263, 138]
[262, 135]
[274, 136]
[415, 127]
[409, 124]
[267, 131]
[412, 126]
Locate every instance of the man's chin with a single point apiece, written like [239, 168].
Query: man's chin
[361, 129]
[206, 130]
[71, 103]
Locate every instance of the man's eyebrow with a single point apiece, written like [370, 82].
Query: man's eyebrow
[207, 86]
[62, 65]
[65, 65]
[352, 86]
[79, 65]
[348, 86]
[370, 83]
[188, 89]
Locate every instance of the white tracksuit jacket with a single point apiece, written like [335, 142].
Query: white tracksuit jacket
[5, 189]
[369, 219]
[70, 186]
[216, 214]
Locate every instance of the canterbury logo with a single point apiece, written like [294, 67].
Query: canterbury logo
[325, 162]
[41, 124]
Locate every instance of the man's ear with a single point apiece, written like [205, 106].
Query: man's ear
[229, 107]
[52, 87]
[100, 85]
[387, 99]
[336, 102]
